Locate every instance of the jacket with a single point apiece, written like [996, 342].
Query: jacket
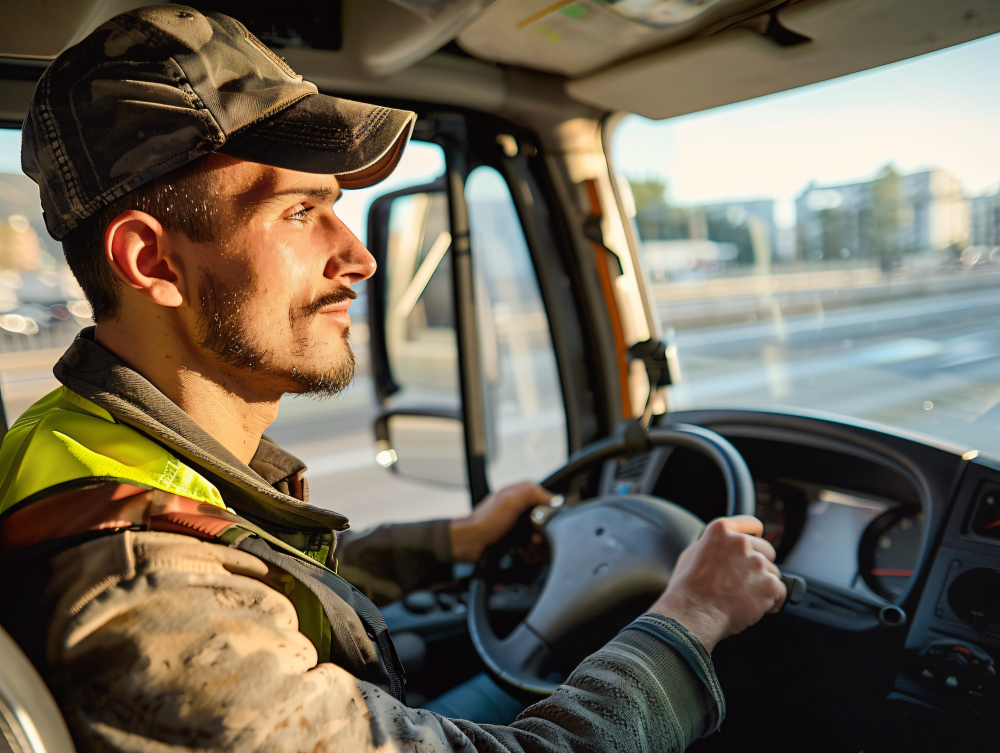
[155, 638]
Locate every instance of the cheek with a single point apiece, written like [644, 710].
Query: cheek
[282, 290]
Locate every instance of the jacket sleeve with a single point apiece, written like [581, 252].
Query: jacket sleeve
[389, 561]
[159, 642]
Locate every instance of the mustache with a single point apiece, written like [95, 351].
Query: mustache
[337, 296]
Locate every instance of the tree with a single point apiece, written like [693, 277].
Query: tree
[833, 225]
[722, 229]
[654, 217]
[648, 192]
[880, 225]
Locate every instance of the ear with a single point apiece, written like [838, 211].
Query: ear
[139, 252]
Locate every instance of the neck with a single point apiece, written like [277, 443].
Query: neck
[219, 401]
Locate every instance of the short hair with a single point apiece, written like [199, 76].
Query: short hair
[182, 200]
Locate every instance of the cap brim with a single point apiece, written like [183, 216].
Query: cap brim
[359, 143]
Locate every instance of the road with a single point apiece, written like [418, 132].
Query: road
[929, 365]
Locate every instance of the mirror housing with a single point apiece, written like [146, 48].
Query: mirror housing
[424, 444]
[378, 244]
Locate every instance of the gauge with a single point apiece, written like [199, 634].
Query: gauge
[986, 521]
[889, 551]
[771, 511]
[781, 507]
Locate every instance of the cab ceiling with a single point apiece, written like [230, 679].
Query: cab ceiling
[658, 58]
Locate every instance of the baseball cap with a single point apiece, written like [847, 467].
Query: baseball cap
[155, 88]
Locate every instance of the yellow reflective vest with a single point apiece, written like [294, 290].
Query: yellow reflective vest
[65, 442]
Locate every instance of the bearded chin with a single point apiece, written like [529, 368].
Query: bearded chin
[223, 331]
[326, 382]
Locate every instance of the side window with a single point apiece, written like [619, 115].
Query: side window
[526, 418]
[419, 312]
[41, 306]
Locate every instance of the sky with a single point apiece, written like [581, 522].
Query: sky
[938, 110]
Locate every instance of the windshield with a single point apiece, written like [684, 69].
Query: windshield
[835, 248]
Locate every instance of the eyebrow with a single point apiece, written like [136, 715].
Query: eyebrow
[320, 195]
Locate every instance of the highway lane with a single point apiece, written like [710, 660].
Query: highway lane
[930, 366]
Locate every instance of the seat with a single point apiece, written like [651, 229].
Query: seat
[30, 721]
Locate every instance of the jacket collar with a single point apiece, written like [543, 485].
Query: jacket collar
[96, 374]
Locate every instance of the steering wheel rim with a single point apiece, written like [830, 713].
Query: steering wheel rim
[645, 535]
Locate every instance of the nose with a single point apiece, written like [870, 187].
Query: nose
[351, 261]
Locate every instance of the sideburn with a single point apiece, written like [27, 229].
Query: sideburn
[221, 325]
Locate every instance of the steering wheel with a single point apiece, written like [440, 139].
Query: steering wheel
[610, 558]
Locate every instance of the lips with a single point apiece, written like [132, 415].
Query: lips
[335, 302]
[334, 308]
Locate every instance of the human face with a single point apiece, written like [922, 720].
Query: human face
[273, 303]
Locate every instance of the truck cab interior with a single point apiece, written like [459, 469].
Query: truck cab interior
[603, 196]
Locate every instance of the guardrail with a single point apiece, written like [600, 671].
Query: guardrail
[734, 300]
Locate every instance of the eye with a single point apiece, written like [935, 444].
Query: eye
[301, 214]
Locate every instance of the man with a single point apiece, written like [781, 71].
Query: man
[162, 566]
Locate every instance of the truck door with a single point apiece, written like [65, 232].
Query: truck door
[463, 354]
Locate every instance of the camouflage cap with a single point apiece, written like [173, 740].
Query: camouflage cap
[158, 87]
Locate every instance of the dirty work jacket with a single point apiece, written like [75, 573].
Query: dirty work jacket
[157, 640]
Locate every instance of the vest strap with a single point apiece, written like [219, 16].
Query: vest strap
[386, 671]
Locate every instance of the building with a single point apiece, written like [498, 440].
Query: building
[984, 226]
[883, 218]
[747, 225]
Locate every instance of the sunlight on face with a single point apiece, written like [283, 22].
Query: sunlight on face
[274, 293]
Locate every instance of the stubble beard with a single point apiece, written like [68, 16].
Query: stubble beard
[222, 330]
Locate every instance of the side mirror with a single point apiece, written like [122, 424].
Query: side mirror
[410, 309]
[423, 444]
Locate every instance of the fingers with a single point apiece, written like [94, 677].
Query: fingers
[752, 527]
[764, 547]
[760, 552]
[526, 495]
[773, 589]
[780, 592]
[747, 524]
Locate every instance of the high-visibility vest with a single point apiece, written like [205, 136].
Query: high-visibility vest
[65, 442]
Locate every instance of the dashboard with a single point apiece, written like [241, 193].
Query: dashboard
[895, 643]
[897, 537]
[834, 517]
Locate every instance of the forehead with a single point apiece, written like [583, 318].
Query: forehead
[252, 184]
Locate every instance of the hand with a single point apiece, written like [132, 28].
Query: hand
[492, 518]
[724, 582]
